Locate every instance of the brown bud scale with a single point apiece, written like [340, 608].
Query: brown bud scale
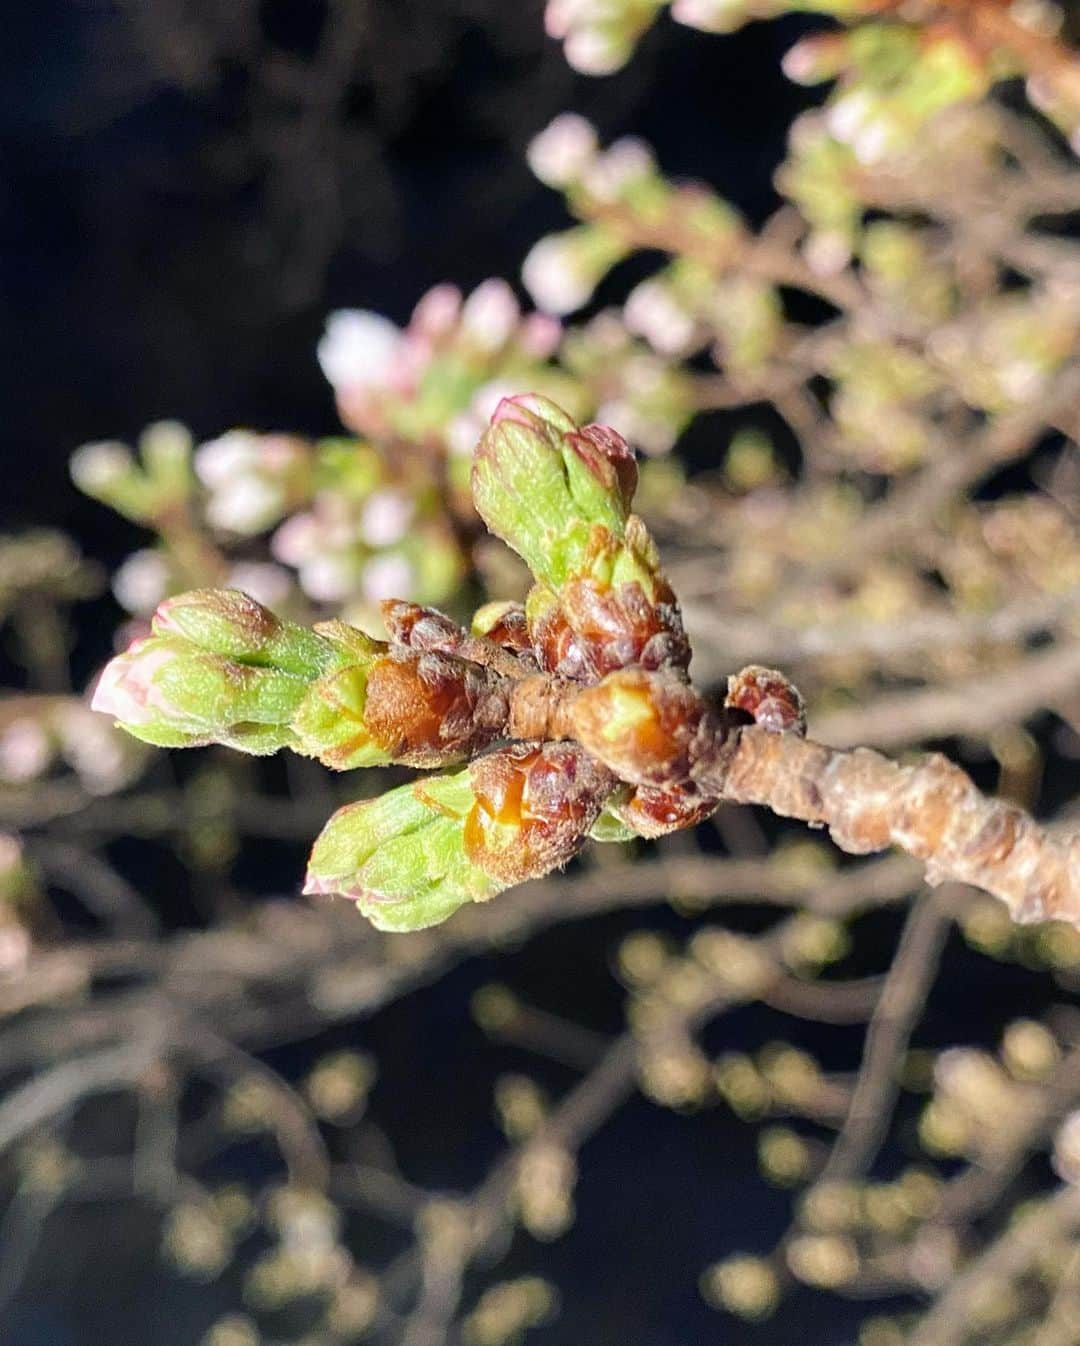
[429, 709]
[547, 795]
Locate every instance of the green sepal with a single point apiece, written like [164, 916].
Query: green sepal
[401, 858]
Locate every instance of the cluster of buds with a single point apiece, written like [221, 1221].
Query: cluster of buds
[426, 384]
[218, 667]
[895, 72]
[621, 196]
[883, 404]
[357, 520]
[1006, 353]
[586, 684]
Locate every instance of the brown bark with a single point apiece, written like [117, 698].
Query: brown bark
[931, 809]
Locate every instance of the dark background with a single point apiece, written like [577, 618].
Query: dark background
[186, 189]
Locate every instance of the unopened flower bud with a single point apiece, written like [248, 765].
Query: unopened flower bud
[401, 857]
[412, 857]
[651, 811]
[388, 704]
[174, 694]
[504, 624]
[644, 726]
[534, 807]
[542, 484]
[230, 623]
[768, 698]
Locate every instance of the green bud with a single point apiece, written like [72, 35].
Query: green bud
[329, 722]
[553, 491]
[402, 857]
[229, 623]
[166, 691]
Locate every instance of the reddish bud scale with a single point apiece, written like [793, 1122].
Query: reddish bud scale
[654, 812]
[649, 728]
[534, 807]
[597, 628]
[421, 628]
[768, 698]
[427, 629]
[426, 709]
[510, 629]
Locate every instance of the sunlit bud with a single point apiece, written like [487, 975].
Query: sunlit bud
[338, 1086]
[1029, 1050]
[196, 1241]
[387, 577]
[402, 857]
[827, 251]
[165, 449]
[219, 460]
[422, 709]
[490, 315]
[235, 1329]
[625, 162]
[784, 1156]
[173, 694]
[563, 150]
[793, 1075]
[742, 1085]
[354, 1305]
[825, 1261]
[533, 808]
[358, 349]
[545, 1180]
[505, 1312]
[562, 270]
[819, 57]
[539, 335]
[25, 750]
[1067, 1149]
[594, 51]
[711, 16]
[96, 468]
[521, 1106]
[831, 1207]
[267, 583]
[645, 727]
[652, 312]
[811, 941]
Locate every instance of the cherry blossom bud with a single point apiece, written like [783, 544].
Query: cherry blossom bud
[563, 150]
[490, 315]
[230, 623]
[358, 349]
[173, 694]
[646, 727]
[542, 484]
[412, 857]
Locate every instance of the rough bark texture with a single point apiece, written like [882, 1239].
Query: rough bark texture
[930, 809]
